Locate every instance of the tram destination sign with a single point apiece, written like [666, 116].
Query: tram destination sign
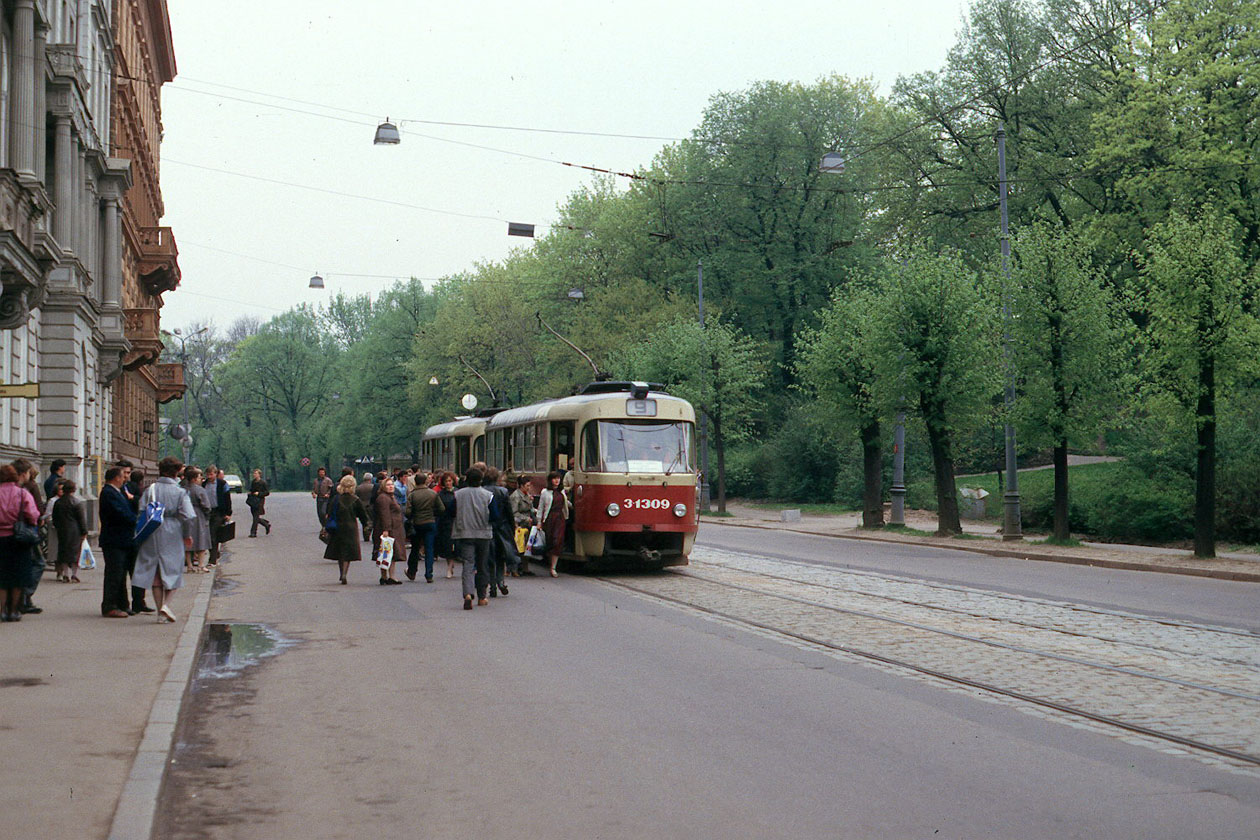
[641, 408]
[28, 390]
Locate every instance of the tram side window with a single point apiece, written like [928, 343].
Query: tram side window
[494, 449]
[590, 447]
[520, 451]
[540, 448]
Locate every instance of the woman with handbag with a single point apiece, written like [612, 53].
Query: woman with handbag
[553, 513]
[71, 526]
[343, 540]
[389, 523]
[160, 561]
[258, 493]
[19, 532]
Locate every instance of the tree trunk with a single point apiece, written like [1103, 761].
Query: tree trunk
[1061, 526]
[873, 477]
[947, 521]
[1205, 472]
[719, 446]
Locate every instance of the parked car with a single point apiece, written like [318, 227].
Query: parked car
[234, 483]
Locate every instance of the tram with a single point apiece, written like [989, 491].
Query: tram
[628, 454]
[454, 446]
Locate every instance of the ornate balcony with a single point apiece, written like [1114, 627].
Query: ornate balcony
[141, 327]
[169, 377]
[159, 260]
[22, 278]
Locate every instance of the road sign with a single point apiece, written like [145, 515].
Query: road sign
[28, 390]
[306, 462]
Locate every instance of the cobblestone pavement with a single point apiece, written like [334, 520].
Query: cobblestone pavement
[1188, 680]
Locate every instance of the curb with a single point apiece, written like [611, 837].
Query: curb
[137, 806]
[1217, 574]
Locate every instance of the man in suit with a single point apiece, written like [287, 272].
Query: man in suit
[133, 489]
[221, 513]
[118, 528]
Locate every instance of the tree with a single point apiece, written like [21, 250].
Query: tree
[1198, 334]
[934, 344]
[833, 362]
[716, 368]
[1066, 340]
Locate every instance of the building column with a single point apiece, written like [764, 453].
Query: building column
[112, 268]
[41, 102]
[22, 136]
[63, 183]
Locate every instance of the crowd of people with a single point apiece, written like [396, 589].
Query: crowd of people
[482, 520]
[42, 522]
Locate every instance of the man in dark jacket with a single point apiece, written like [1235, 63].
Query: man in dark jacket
[118, 528]
[221, 513]
[133, 489]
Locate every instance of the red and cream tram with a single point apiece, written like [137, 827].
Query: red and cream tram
[454, 446]
[631, 471]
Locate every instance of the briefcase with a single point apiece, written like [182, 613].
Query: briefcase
[226, 533]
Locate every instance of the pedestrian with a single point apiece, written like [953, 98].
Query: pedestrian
[118, 528]
[472, 534]
[443, 546]
[221, 514]
[389, 523]
[197, 529]
[35, 557]
[50, 543]
[343, 541]
[321, 491]
[502, 554]
[133, 489]
[16, 505]
[256, 501]
[553, 512]
[56, 472]
[160, 562]
[365, 492]
[422, 511]
[71, 527]
[522, 507]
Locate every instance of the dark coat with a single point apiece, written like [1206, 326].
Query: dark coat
[389, 517]
[118, 519]
[71, 525]
[343, 541]
[256, 500]
[423, 506]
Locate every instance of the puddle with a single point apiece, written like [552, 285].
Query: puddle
[228, 649]
[21, 682]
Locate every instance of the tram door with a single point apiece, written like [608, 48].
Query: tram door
[564, 458]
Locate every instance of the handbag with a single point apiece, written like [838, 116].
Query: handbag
[150, 518]
[25, 533]
[226, 532]
[330, 521]
[324, 536]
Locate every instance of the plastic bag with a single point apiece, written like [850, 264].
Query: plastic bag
[537, 540]
[87, 560]
[522, 539]
[150, 520]
[385, 557]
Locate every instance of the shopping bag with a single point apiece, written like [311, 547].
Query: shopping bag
[522, 539]
[150, 520]
[87, 560]
[385, 557]
[537, 540]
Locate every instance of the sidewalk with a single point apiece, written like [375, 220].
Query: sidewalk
[78, 694]
[981, 538]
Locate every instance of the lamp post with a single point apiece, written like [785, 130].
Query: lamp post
[185, 441]
[706, 495]
[1011, 525]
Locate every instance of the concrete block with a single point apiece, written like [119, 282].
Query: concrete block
[791, 515]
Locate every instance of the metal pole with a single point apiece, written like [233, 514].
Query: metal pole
[705, 497]
[898, 514]
[1011, 525]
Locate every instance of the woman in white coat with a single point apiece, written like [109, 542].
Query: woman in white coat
[160, 562]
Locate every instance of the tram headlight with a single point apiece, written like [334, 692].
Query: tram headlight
[680, 510]
[613, 509]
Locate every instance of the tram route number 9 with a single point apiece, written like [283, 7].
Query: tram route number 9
[645, 504]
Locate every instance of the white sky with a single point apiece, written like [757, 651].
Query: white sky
[647, 67]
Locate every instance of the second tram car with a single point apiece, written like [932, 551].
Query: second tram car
[628, 454]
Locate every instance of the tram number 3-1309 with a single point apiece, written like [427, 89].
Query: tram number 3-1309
[646, 504]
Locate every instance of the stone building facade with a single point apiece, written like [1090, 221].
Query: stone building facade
[145, 60]
[65, 183]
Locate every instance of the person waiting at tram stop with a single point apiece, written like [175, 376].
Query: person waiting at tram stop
[522, 506]
[389, 523]
[343, 541]
[553, 512]
[472, 535]
[422, 511]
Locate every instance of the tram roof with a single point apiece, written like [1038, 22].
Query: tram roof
[613, 405]
[459, 426]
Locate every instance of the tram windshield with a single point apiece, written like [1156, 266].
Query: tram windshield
[630, 447]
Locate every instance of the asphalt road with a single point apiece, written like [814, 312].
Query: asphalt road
[574, 709]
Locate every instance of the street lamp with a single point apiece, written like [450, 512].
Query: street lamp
[387, 134]
[185, 441]
[317, 282]
[1012, 527]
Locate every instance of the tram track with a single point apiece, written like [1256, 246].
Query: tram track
[1196, 715]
